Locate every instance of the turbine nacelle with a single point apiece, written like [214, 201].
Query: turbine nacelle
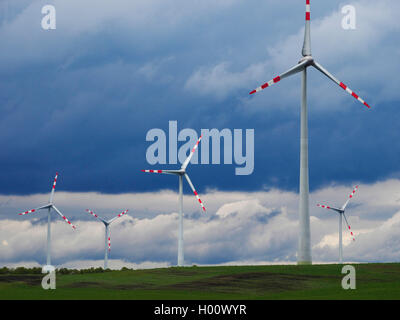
[179, 172]
[309, 58]
[47, 206]
[106, 222]
[341, 211]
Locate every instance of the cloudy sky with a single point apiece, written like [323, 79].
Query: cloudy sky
[81, 99]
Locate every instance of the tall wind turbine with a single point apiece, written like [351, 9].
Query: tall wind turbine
[48, 267]
[341, 215]
[182, 173]
[304, 249]
[107, 238]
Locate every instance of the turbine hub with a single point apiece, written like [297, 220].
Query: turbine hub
[309, 58]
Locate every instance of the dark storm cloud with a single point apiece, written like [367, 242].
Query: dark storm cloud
[81, 99]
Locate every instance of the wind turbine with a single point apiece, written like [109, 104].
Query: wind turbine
[304, 249]
[107, 233]
[182, 173]
[341, 215]
[48, 267]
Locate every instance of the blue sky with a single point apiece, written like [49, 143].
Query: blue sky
[80, 100]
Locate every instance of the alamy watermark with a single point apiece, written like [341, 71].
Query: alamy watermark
[349, 281]
[49, 280]
[236, 148]
[49, 20]
[349, 21]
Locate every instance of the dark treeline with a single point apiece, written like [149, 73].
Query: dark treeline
[23, 270]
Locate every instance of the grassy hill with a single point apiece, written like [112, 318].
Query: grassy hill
[374, 281]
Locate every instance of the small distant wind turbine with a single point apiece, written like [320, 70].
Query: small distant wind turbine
[182, 173]
[48, 267]
[341, 214]
[107, 242]
[304, 249]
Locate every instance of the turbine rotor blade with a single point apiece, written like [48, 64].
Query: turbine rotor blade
[53, 188]
[185, 164]
[328, 207]
[26, 212]
[350, 197]
[307, 37]
[120, 215]
[324, 206]
[162, 171]
[292, 71]
[152, 171]
[195, 192]
[348, 226]
[339, 83]
[64, 217]
[34, 210]
[94, 215]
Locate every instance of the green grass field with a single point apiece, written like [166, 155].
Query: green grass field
[374, 281]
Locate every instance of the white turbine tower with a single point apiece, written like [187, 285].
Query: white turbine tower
[304, 249]
[341, 215]
[107, 241]
[48, 267]
[182, 173]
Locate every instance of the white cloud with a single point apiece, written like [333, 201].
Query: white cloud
[239, 227]
[242, 208]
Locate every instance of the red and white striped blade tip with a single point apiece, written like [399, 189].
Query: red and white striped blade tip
[55, 180]
[122, 213]
[92, 213]
[26, 212]
[352, 234]
[152, 171]
[348, 90]
[353, 192]
[187, 160]
[198, 199]
[308, 10]
[197, 144]
[69, 222]
[266, 85]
